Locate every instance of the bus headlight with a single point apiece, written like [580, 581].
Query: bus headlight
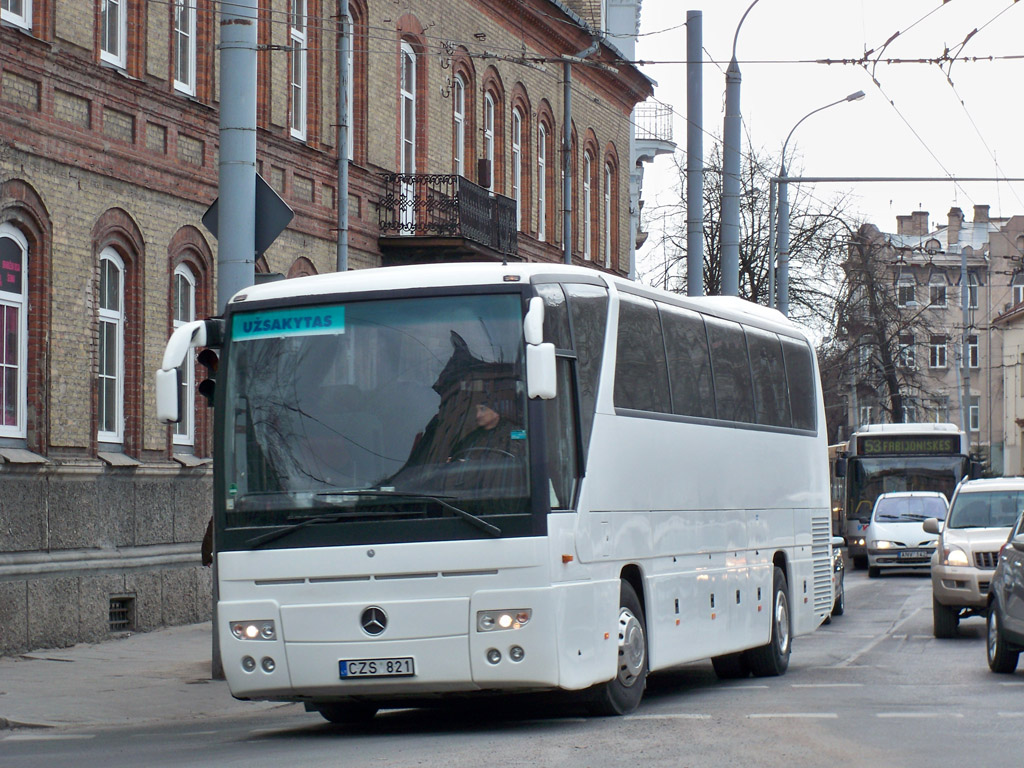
[491, 621]
[261, 629]
[954, 556]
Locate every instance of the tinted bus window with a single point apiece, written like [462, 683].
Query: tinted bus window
[641, 375]
[771, 395]
[799, 371]
[689, 362]
[734, 395]
[588, 309]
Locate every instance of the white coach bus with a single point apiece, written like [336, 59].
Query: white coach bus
[481, 478]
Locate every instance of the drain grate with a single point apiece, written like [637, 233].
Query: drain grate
[122, 613]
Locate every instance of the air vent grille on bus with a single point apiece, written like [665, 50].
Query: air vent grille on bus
[821, 535]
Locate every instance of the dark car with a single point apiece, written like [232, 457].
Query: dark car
[1005, 636]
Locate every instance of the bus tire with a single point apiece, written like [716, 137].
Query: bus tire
[621, 695]
[944, 620]
[772, 659]
[348, 713]
[731, 666]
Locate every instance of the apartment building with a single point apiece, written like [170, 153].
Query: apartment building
[924, 262]
[108, 161]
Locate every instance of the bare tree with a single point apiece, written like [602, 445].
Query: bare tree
[816, 250]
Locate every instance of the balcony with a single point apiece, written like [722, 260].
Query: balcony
[443, 217]
[653, 133]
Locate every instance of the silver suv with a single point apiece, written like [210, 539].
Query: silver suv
[979, 520]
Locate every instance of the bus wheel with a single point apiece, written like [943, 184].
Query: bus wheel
[773, 659]
[621, 695]
[348, 713]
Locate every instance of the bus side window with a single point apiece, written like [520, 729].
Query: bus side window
[641, 371]
[734, 392]
[689, 362]
[800, 372]
[588, 315]
[771, 396]
[562, 458]
[556, 315]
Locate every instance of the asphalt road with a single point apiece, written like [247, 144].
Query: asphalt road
[873, 688]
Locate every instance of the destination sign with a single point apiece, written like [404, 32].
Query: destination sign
[275, 323]
[908, 445]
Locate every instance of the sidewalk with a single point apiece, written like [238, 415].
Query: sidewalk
[151, 676]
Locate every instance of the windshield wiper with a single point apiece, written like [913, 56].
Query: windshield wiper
[266, 538]
[469, 517]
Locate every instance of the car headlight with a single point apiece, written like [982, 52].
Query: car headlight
[954, 556]
[882, 544]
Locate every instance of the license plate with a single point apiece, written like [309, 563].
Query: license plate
[400, 666]
[913, 554]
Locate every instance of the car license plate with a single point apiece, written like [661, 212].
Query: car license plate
[913, 554]
[400, 666]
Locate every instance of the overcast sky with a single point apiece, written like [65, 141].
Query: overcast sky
[912, 123]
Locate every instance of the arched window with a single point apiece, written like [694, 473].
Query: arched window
[459, 126]
[587, 212]
[110, 368]
[517, 165]
[407, 153]
[489, 109]
[184, 295]
[13, 330]
[609, 213]
[299, 87]
[542, 182]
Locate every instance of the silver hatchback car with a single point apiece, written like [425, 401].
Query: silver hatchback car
[981, 514]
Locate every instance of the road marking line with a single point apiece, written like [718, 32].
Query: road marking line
[670, 716]
[879, 639]
[916, 715]
[794, 715]
[48, 737]
[827, 685]
[1009, 714]
[1012, 685]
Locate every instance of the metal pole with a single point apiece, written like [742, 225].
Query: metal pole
[567, 163]
[694, 155]
[783, 241]
[772, 183]
[344, 54]
[236, 251]
[731, 141]
[965, 367]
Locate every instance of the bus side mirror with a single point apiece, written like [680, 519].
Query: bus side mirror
[841, 467]
[533, 323]
[540, 371]
[168, 396]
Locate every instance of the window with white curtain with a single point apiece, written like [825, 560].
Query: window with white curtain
[110, 365]
[297, 34]
[542, 182]
[489, 137]
[13, 330]
[517, 164]
[184, 295]
[459, 125]
[587, 213]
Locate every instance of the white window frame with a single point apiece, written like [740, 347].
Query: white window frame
[489, 110]
[937, 290]
[937, 353]
[459, 124]
[587, 212]
[1017, 289]
[542, 182]
[109, 316]
[184, 431]
[114, 51]
[350, 86]
[18, 301]
[609, 176]
[298, 90]
[974, 413]
[973, 291]
[21, 19]
[517, 165]
[973, 351]
[906, 285]
[864, 415]
[908, 352]
[185, 46]
[407, 130]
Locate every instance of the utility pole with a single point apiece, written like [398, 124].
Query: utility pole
[344, 55]
[694, 155]
[236, 250]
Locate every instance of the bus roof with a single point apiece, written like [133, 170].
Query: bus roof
[489, 273]
[910, 429]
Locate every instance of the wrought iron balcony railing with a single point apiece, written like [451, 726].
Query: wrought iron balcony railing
[653, 121]
[446, 205]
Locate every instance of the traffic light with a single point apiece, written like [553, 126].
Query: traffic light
[209, 360]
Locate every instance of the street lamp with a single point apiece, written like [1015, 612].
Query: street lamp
[731, 138]
[784, 212]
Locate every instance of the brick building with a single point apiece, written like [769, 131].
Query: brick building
[924, 262]
[108, 160]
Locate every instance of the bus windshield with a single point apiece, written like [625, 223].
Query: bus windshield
[867, 479]
[374, 410]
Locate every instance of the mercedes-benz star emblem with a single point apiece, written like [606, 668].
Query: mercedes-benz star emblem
[373, 621]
